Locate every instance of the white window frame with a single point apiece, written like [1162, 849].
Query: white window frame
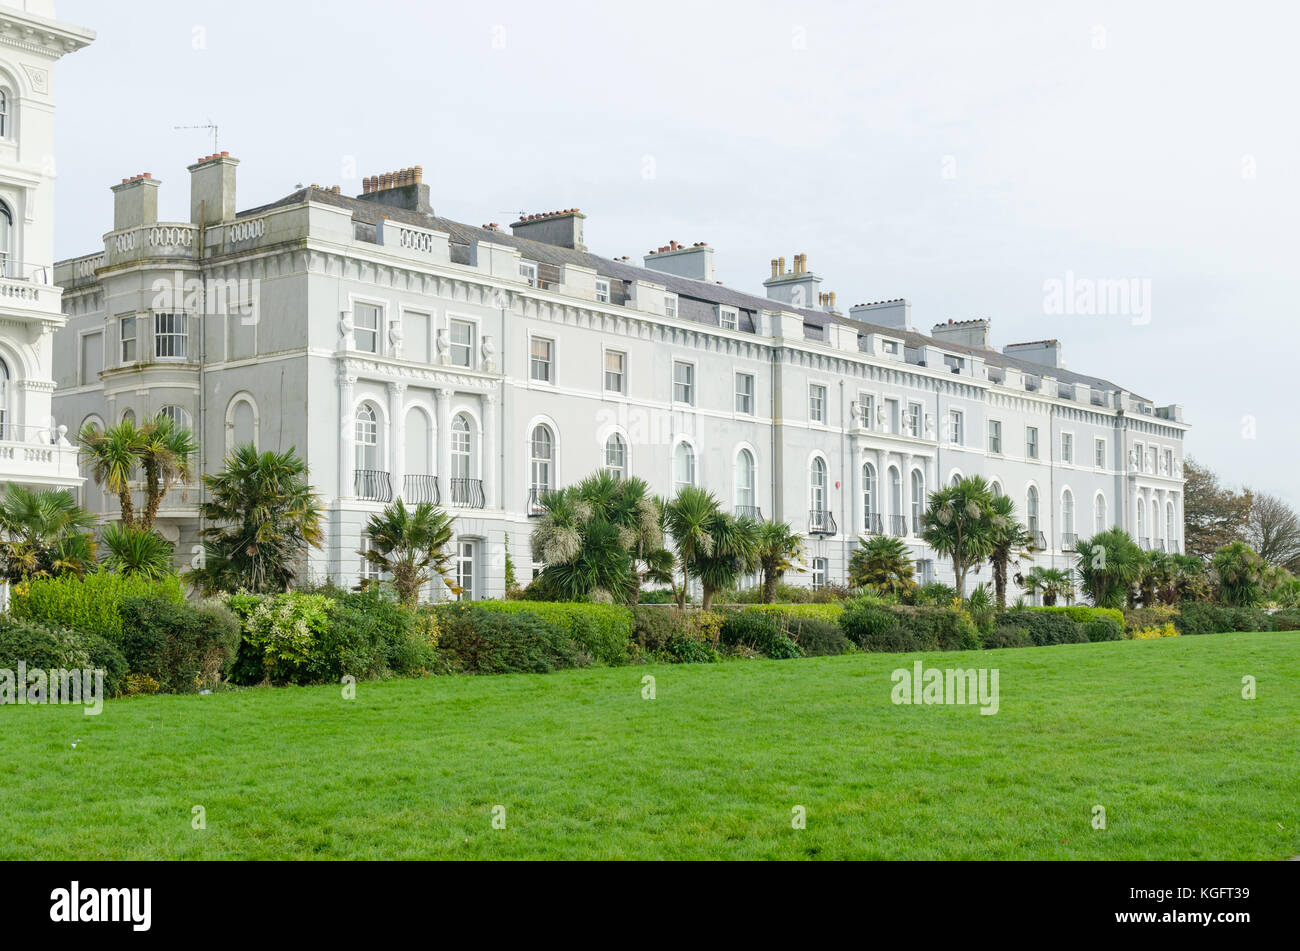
[750, 396]
[866, 409]
[820, 572]
[956, 427]
[375, 333]
[133, 340]
[690, 386]
[528, 272]
[728, 318]
[621, 372]
[995, 436]
[452, 345]
[915, 414]
[621, 470]
[818, 398]
[466, 562]
[544, 365]
[1031, 444]
[1099, 453]
[602, 290]
[174, 340]
[670, 305]
[1067, 447]
[694, 465]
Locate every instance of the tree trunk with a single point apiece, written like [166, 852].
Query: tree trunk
[1000, 583]
[128, 507]
[960, 573]
[769, 586]
[706, 601]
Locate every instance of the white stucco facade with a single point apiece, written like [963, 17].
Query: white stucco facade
[405, 354]
[35, 450]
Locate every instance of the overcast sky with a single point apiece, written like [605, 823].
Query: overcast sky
[956, 154]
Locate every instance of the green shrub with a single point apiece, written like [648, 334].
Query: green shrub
[1287, 620]
[761, 632]
[1156, 615]
[822, 612]
[183, 649]
[653, 627]
[874, 627]
[1103, 629]
[281, 636]
[371, 634]
[1007, 634]
[816, 637]
[933, 594]
[474, 640]
[52, 648]
[1082, 614]
[657, 596]
[1046, 627]
[91, 604]
[602, 630]
[1205, 617]
[877, 627]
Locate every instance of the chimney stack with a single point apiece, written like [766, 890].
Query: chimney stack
[560, 228]
[403, 188]
[135, 202]
[798, 287]
[212, 189]
[695, 262]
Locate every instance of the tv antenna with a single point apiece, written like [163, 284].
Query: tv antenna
[208, 126]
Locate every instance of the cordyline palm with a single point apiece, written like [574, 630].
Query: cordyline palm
[628, 505]
[882, 564]
[410, 544]
[1190, 583]
[114, 454]
[136, 551]
[1156, 578]
[581, 543]
[1239, 571]
[262, 516]
[687, 519]
[780, 549]
[734, 553]
[1108, 565]
[958, 524]
[1052, 582]
[164, 458]
[1010, 539]
[45, 534]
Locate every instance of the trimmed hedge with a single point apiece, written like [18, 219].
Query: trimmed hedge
[1045, 627]
[759, 631]
[52, 648]
[1204, 617]
[817, 638]
[1082, 614]
[475, 640]
[822, 612]
[179, 648]
[602, 630]
[875, 627]
[91, 604]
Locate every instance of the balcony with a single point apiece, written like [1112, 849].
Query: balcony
[873, 524]
[821, 522]
[373, 485]
[1160, 545]
[898, 525]
[467, 493]
[1144, 542]
[1068, 541]
[38, 456]
[25, 289]
[1037, 540]
[420, 488]
[749, 511]
[535, 508]
[917, 526]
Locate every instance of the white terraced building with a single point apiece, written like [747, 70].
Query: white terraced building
[35, 450]
[404, 354]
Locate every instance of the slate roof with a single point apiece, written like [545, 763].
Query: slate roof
[696, 298]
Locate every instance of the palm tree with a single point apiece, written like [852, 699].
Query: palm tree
[262, 516]
[958, 523]
[136, 551]
[1010, 539]
[1051, 582]
[44, 533]
[734, 553]
[113, 455]
[164, 457]
[779, 550]
[411, 546]
[1108, 564]
[1190, 583]
[1156, 578]
[882, 564]
[688, 518]
[1239, 571]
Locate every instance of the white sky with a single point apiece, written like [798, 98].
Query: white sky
[776, 128]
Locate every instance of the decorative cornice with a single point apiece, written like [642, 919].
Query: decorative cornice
[38, 35]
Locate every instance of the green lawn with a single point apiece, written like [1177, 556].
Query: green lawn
[1155, 731]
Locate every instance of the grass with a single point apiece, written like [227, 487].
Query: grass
[1157, 732]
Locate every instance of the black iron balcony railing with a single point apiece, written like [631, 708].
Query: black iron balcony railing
[917, 527]
[1068, 541]
[467, 493]
[420, 488]
[1037, 539]
[749, 511]
[1160, 545]
[898, 525]
[374, 485]
[821, 522]
[872, 524]
[535, 507]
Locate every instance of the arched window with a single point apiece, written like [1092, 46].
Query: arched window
[461, 453]
[6, 419]
[367, 448]
[177, 415]
[1099, 514]
[1031, 510]
[896, 502]
[817, 485]
[870, 503]
[542, 452]
[996, 489]
[683, 466]
[745, 482]
[128, 416]
[1067, 518]
[7, 267]
[241, 423]
[4, 115]
[953, 481]
[616, 455]
[918, 498]
[419, 452]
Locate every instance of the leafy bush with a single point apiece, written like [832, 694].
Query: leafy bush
[474, 640]
[1288, 620]
[1103, 629]
[371, 634]
[1007, 634]
[816, 637]
[877, 627]
[1151, 633]
[281, 633]
[761, 632]
[53, 648]
[822, 612]
[1204, 617]
[602, 630]
[91, 604]
[1046, 627]
[1082, 614]
[933, 593]
[182, 649]
[658, 596]
[1154, 616]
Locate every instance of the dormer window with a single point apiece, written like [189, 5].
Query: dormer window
[728, 318]
[670, 305]
[602, 290]
[954, 364]
[528, 271]
[890, 347]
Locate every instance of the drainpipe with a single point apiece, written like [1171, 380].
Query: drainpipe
[844, 478]
[203, 354]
